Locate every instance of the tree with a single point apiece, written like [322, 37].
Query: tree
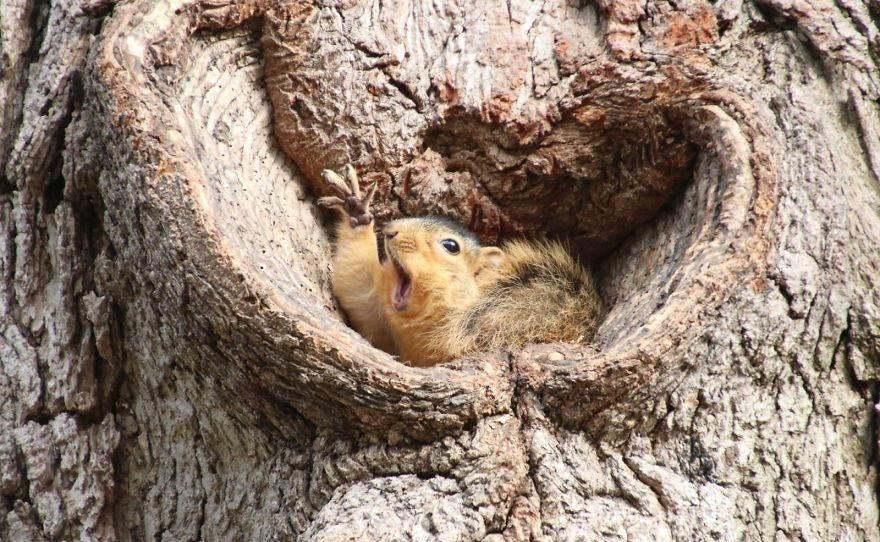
[174, 365]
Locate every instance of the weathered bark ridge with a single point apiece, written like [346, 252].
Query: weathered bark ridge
[179, 368]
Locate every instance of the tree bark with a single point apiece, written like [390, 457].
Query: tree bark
[173, 365]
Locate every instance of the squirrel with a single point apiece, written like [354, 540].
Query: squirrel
[440, 294]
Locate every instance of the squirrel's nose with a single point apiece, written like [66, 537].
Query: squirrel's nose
[389, 232]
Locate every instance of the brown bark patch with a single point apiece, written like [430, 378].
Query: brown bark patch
[598, 155]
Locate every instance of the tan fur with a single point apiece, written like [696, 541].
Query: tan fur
[357, 283]
[540, 295]
[483, 298]
[460, 303]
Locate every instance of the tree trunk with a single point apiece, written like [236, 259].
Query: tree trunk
[174, 366]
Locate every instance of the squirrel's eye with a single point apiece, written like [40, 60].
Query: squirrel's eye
[451, 246]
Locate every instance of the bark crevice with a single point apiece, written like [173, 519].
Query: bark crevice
[177, 351]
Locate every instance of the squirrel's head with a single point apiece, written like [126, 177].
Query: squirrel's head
[435, 264]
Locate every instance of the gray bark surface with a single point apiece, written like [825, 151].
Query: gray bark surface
[173, 365]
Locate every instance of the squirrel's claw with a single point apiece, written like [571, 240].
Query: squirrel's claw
[355, 206]
[352, 178]
[331, 202]
[368, 198]
[336, 182]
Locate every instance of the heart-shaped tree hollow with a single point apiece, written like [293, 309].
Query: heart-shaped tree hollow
[614, 160]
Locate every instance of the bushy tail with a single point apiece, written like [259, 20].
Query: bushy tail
[544, 295]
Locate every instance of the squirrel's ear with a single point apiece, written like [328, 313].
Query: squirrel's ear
[490, 257]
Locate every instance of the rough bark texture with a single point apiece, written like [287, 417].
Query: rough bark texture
[173, 366]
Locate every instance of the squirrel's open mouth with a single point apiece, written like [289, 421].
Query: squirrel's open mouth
[402, 288]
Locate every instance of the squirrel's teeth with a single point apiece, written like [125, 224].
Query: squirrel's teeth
[402, 288]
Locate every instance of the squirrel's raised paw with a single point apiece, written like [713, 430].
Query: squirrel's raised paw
[354, 205]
